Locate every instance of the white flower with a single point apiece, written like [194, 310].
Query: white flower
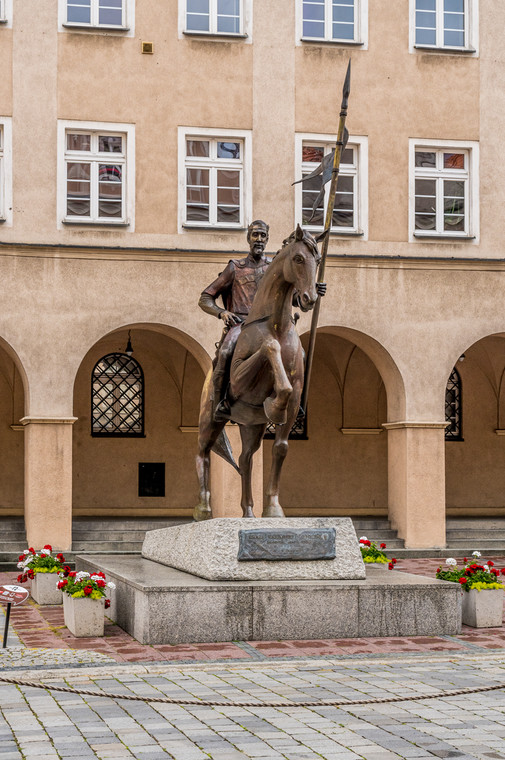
[21, 565]
[81, 575]
[486, 568]
[363, 538]
[476, 554]
[96, 578]
[44, 553]
[25, 551]
[450, 561]
[111, 585]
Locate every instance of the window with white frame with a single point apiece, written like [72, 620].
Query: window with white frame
[443, 23]
[349, 210]
[214, 16]
[331, 20]
[6, 170]
[96, 13]
[214, 181]
[441, 191]
[96, 173]
[2, 11]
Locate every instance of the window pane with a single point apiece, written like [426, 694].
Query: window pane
[228, 196]
[310, 190]
[343, 12]
[425, 159]
[197, 23]
[228, 24]
[343, 31]
[109, 191]
[426, 5]
[426, 20]
[228, 214]
[458, 6]
[312, 153]
[347, 156]
[78, 189]
[425, 222]
[228, 7]
[454, 223]
[110, 16]
[342, 218]
[197, 6]
[110, 144]
[197, 195]
[454, 21]
[345, 184]
[426, 37]
[454, 189]
[454, 39]
[197, 148]
[79, 12]
[228, 150]
[454, 160]
[78, 142]
[313, 10]
[425, 204]
[228, 16]
[426, 187]
[313, 29]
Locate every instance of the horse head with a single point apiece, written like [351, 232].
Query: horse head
[301, 260]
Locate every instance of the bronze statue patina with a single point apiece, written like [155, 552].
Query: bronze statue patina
[266, 365]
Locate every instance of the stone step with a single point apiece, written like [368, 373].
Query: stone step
[107, 546]
[460, 534]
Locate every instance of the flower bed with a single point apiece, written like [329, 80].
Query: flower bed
[371, 553]
[472, 575]
[84, 601]
[40, 568]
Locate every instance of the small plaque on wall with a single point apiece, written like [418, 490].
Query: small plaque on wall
[286, 544]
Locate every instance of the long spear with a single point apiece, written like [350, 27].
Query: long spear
[327, 226]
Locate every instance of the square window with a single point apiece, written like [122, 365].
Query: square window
[109, 14]
[444, 200]
[213, 178]
[350, 198]
[214, 17]
[333, 20]
[96, 173]
[446, 24]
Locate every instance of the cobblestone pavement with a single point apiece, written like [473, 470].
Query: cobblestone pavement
[35, 723]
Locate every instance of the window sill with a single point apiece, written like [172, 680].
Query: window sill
[219, 35]
[321, 41]
[436, 49]
[4, 20]
[93, 223]
[118, 435]
[213, 227]
[2, 219]
[91, 28]
[335, 233]
[441, 236]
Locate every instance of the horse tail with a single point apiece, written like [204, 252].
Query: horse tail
[223, 448]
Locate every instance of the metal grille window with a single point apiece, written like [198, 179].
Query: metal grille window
[331, 20]
[441, 192]
[214, 182]
[453, 407]
[297, 433]
[117, 401]
[442, 23]
[214, 16]
[95, 164]
[96, 12]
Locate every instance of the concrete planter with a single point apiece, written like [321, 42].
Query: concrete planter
[43, 589]
[84, 617]
[483, 609]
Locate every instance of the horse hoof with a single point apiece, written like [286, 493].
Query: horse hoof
[274, 510]
[247, 512]
[202, 513]
[273, 412]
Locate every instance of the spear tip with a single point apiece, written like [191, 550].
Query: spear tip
[347, 82]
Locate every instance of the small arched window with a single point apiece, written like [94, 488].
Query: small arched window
[117, 397]
[453, 431]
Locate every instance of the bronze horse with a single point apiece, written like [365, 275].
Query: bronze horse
[266, 375]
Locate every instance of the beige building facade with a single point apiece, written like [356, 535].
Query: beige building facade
[137, 142]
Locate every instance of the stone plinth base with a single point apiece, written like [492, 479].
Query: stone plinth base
[210, 549]
[160, 605]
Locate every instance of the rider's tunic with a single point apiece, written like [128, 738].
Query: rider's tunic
[237, 285]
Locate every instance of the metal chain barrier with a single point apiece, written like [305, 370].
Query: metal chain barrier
[286, 703]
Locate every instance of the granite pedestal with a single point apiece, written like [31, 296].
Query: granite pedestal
[160, 605]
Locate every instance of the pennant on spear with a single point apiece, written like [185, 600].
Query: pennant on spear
[330, 161]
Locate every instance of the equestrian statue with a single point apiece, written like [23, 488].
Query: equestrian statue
[257, 374]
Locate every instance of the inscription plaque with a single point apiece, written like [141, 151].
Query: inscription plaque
[286, 544]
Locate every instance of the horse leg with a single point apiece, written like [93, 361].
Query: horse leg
[209, 431]
[272, 507]
[246, 370]
[251, 436]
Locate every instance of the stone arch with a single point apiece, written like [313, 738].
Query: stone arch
[174, 367]
[14, 392]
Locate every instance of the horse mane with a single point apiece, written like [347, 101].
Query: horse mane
[307, 238]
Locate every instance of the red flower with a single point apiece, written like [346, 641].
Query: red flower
[490, 563]
[60, 557]
[462, 580]
[465, 559]
[100, 584]
[48, 547]
[503, 571]
[391, 566]
[21, 558]
[88, 590]
[394, 561]
[72, 573]
[494, 571]
[20, 579]
[31, 574]
[31, 550]
[383, 546]
[107, 604]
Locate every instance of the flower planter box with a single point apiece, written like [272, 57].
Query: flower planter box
[43, 589]
[483, 609]
[83, 617]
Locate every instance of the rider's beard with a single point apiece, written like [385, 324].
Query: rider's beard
[258, 248]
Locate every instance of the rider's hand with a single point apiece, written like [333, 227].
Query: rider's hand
[229, 318]
[321, 288]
